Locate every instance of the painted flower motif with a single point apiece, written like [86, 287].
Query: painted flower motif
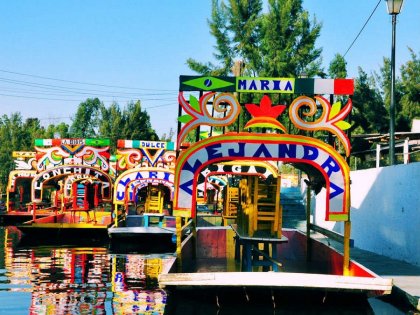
[265, 115]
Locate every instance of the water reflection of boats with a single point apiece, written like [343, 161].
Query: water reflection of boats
[134, 283]
[59, 280]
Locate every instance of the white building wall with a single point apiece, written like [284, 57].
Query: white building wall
[385, 211]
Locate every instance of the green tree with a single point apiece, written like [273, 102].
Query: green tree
[86, 121]
[31, 130]
[278, 43]
[410, 84]
[338, 67]
[369, 114]
[224, 54]
[111, 124]
[11, 135]
[137, 125]
[289, 37]
[62, 131]
[384, 87]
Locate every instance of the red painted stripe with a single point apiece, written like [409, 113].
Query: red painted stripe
[121, 144]
[56, 142]
[343, 86]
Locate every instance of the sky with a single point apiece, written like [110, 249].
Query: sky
[56, 54]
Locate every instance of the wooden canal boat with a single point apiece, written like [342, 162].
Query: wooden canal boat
[70, 226]
[143, 192]
[211, 259]
[16, 204]
[72, 176]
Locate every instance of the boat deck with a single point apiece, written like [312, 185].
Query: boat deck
[218, 264]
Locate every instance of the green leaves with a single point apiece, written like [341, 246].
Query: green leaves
[185, 118]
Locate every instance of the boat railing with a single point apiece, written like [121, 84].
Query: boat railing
[330, 234]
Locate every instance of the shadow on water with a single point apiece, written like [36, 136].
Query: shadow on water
[243, 301]
[264, 301]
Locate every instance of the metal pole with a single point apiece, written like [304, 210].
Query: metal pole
[392, 105]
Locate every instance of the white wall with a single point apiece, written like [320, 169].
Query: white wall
[385, 211]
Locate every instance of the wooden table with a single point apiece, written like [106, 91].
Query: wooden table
[251, 253]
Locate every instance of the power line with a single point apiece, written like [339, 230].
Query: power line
[72, 89]
[79, 100]
[79, 82]
[351, 45]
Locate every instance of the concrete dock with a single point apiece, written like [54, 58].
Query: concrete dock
[406, 277]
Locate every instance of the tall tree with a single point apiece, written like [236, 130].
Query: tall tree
[86, 121]
[338, 67]
[31, 130]
[111, 124]
[11, 135]
[383, 80]
[62, 130]
[137, 123]
[289, 40]
[245, 26]
[224, 54]
[369, 113]
[278, 43]
[410, 83]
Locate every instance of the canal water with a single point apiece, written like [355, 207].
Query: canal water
[39, 279]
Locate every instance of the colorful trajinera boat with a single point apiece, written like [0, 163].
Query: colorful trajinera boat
[73, 177]
[253, 238]
[143, 191]
[17, 201]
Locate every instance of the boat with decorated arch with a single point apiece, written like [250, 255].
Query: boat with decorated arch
[143, 192]
[261, 243]
[72, 178]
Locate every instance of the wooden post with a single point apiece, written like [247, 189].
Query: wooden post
[178, 243]
[74, 188]
[346, 247]
[406, 151]
[279, 209]
[115, 215]
[346, 258]
[308, 223]
[7, 201]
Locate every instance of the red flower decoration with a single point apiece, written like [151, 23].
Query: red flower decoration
[265, 115]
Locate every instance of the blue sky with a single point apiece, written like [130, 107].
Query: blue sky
[136, 49]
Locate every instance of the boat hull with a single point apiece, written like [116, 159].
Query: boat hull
[65, 228]
[217, 264]
[137, 236]
[18, 217]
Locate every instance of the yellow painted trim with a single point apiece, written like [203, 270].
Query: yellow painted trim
[338, 217]
[68, 225]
